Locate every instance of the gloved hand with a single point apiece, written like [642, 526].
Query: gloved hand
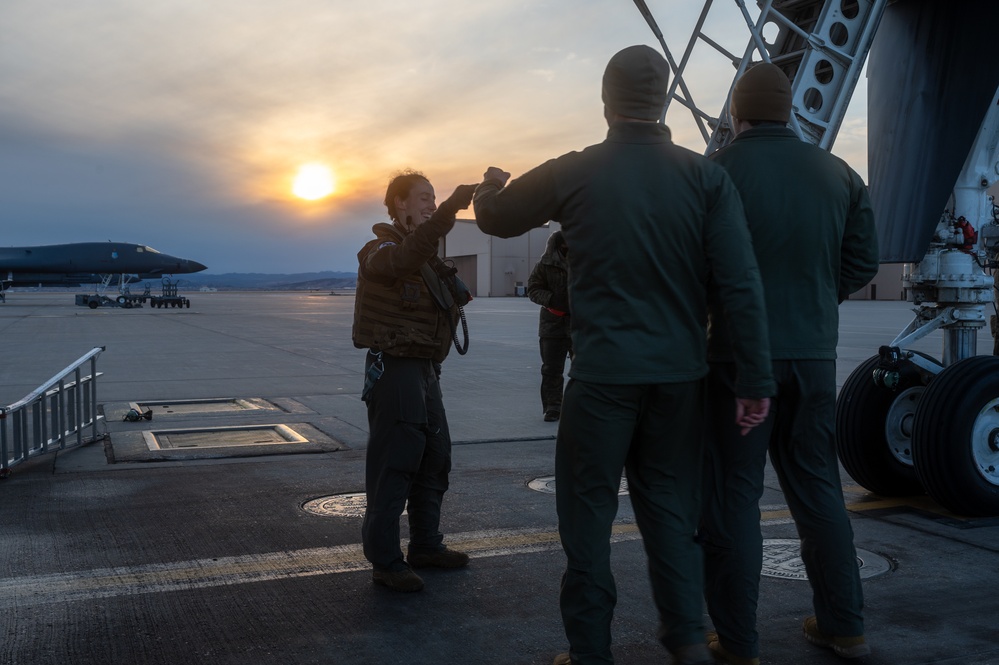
[561, 303]
[460, 200]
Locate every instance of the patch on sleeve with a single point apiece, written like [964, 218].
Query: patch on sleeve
[387, 243]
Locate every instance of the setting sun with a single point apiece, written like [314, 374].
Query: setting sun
[313, 182]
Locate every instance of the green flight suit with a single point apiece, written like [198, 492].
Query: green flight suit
[649, 226]
[814, 238]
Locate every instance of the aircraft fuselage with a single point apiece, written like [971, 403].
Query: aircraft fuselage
[86, 262]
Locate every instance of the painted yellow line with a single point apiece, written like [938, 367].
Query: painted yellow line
[226, 571]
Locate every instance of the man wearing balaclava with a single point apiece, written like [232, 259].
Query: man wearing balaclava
[815, 242]
[548, 286]
[649, 226]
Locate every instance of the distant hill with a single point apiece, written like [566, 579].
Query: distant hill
[240, 281]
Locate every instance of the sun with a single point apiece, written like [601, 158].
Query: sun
[313, 182]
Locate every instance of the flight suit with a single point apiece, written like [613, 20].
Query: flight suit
[649, 225]
[408, 335]
[548, 286]
[814, 237]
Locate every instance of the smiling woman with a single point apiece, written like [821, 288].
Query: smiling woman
[313, 182]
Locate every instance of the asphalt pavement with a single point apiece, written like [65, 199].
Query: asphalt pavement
[226, 530]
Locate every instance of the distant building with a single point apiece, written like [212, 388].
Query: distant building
[492, 266]
[886, 285]
[500, 266]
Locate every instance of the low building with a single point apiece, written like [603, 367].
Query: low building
[492, 266]
[499, 267]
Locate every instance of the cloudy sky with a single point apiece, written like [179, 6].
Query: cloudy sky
[182, 124]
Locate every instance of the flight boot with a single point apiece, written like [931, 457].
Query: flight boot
[442, 558]
[844, 647]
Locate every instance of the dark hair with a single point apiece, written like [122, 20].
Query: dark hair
[400, 186]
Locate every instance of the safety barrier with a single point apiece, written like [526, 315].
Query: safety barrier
[52, 417]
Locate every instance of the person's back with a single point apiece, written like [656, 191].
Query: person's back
[802, 204]
[636, 213]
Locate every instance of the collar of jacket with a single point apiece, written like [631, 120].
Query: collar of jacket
[638, 132]
[772, 131]
[385, 228]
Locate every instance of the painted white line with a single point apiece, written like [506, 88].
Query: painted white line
[98, 583]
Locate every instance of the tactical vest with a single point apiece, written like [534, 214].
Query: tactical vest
[399, 317]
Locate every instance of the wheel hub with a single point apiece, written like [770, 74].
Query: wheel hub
[985, 442]
[994, 440]
[898, 424]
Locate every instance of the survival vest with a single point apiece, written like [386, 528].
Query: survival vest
[398, 316]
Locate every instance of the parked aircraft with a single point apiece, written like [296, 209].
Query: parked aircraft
[87, 263]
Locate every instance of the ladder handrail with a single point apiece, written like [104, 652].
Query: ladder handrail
[53, 382]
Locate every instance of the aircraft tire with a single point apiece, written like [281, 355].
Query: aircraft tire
[956, 437]
[93, 304]
[873, 427]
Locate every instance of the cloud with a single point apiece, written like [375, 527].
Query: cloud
[181, 124]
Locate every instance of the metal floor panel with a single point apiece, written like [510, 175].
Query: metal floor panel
[222, 437]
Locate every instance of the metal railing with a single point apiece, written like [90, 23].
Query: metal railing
[52, 417]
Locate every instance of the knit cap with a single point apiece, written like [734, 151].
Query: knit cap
[635, 83]
[762, 93]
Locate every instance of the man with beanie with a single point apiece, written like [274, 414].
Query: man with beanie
[649, 227]
[813, 234]
[548, 286]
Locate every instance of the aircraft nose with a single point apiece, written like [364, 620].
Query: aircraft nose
[196, 267]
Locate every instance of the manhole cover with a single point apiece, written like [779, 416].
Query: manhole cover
[546, 485]
[782, 558]
[222, 437]
[338, 505]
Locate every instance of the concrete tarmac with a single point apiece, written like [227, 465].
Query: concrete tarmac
[211, 535]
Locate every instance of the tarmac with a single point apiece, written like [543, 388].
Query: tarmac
[226, 530]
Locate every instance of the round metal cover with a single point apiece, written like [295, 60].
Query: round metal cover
[782, 558]
[546, 485]
[338, 505]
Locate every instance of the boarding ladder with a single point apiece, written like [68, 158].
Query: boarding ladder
[820, 44]
[54, 416]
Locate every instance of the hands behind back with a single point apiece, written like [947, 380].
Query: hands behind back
[750, 412]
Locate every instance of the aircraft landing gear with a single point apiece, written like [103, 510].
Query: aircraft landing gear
[956, 437]
[874, 424]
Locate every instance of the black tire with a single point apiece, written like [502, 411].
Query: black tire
[122, 300]
[956, 437]
[872, 430]
[93, 304]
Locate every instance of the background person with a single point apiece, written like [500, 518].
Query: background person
[815, 242]
[649, 225]
[548, 286]
[408, 335]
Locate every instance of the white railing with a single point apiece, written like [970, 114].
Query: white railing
[52, 417]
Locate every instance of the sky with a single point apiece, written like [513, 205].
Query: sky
[181, 124]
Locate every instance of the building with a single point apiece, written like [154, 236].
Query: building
[499, 267]
[492, 266]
